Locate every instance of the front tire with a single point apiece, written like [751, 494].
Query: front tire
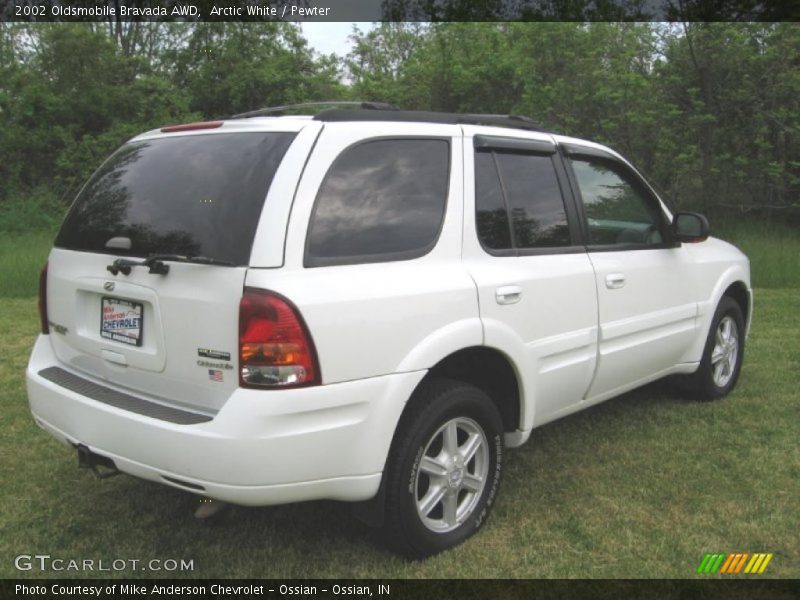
[444, 468]
[723, 353]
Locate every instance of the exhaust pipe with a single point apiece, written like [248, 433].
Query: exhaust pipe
[102, 466]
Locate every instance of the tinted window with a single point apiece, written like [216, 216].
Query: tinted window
[491, 215]
[618, 209]
[381, 200]
[524, 189]
[197, 195]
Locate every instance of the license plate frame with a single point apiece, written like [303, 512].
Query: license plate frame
[120, 324]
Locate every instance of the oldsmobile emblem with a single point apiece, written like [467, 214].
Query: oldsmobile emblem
[108, 286]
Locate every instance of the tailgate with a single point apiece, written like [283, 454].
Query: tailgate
[176, 334]
[172, 332]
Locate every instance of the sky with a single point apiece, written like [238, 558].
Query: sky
[332, 36]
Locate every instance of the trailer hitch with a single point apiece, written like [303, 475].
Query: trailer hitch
[102, 466]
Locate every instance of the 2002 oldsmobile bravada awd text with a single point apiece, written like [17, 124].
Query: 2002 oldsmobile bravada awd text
[367, 305]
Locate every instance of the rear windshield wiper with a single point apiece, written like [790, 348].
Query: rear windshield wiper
[203, 260]
[157, 266]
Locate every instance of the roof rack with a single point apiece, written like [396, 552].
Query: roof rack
[277, 110]
[383, 111]
[510, 121]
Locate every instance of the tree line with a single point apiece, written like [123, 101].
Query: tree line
[710, 112]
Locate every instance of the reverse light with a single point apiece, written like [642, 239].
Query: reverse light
[45, 322]
[275, 347]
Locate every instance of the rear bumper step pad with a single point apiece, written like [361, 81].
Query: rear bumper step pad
[121, 400]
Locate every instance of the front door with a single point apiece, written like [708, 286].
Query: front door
[647, 308]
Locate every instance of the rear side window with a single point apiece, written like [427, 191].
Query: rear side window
[381, 200]
[195, 195]
[518, 202]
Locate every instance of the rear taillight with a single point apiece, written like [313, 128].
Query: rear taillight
[275, 348]
[43, 300]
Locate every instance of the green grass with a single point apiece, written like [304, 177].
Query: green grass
[774, 250]
[640, 486]
[22, 256]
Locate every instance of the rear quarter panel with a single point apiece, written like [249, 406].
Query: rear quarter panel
[374, 319]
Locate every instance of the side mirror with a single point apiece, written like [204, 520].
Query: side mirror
[690, 227]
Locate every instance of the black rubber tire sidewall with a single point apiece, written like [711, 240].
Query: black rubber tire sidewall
[440, 401]
[704, 383]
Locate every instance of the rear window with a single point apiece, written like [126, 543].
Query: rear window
[195, 195]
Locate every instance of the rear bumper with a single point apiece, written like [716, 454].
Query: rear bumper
[262, 447]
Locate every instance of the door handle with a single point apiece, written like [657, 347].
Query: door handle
[508, 294]
[615, 281]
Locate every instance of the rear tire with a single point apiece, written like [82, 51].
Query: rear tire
[722, 355]
[443, 470]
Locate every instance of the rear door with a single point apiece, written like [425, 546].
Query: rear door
[535, 282]
[195, 197]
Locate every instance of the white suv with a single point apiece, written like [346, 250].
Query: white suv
[366, 305]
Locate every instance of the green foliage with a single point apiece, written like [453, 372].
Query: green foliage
[379, 57]
[38, 210]
[74, 100]
[731, 95]
[711, 112]
[72, 93]
[234, 67]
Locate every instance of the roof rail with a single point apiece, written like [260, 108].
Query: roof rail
[276, 110]
[510, 121]
[522, 118]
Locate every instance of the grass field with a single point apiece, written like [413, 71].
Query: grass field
[22, 257]
[641, 486]
[774, 251]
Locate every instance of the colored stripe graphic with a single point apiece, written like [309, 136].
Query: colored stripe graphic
[740, 564]
[727, 564]
[718, 558]
[703, 563]
[765, 563]
[734, 563]
[757, 558]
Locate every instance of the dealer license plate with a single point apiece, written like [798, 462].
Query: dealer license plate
[121, 321]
